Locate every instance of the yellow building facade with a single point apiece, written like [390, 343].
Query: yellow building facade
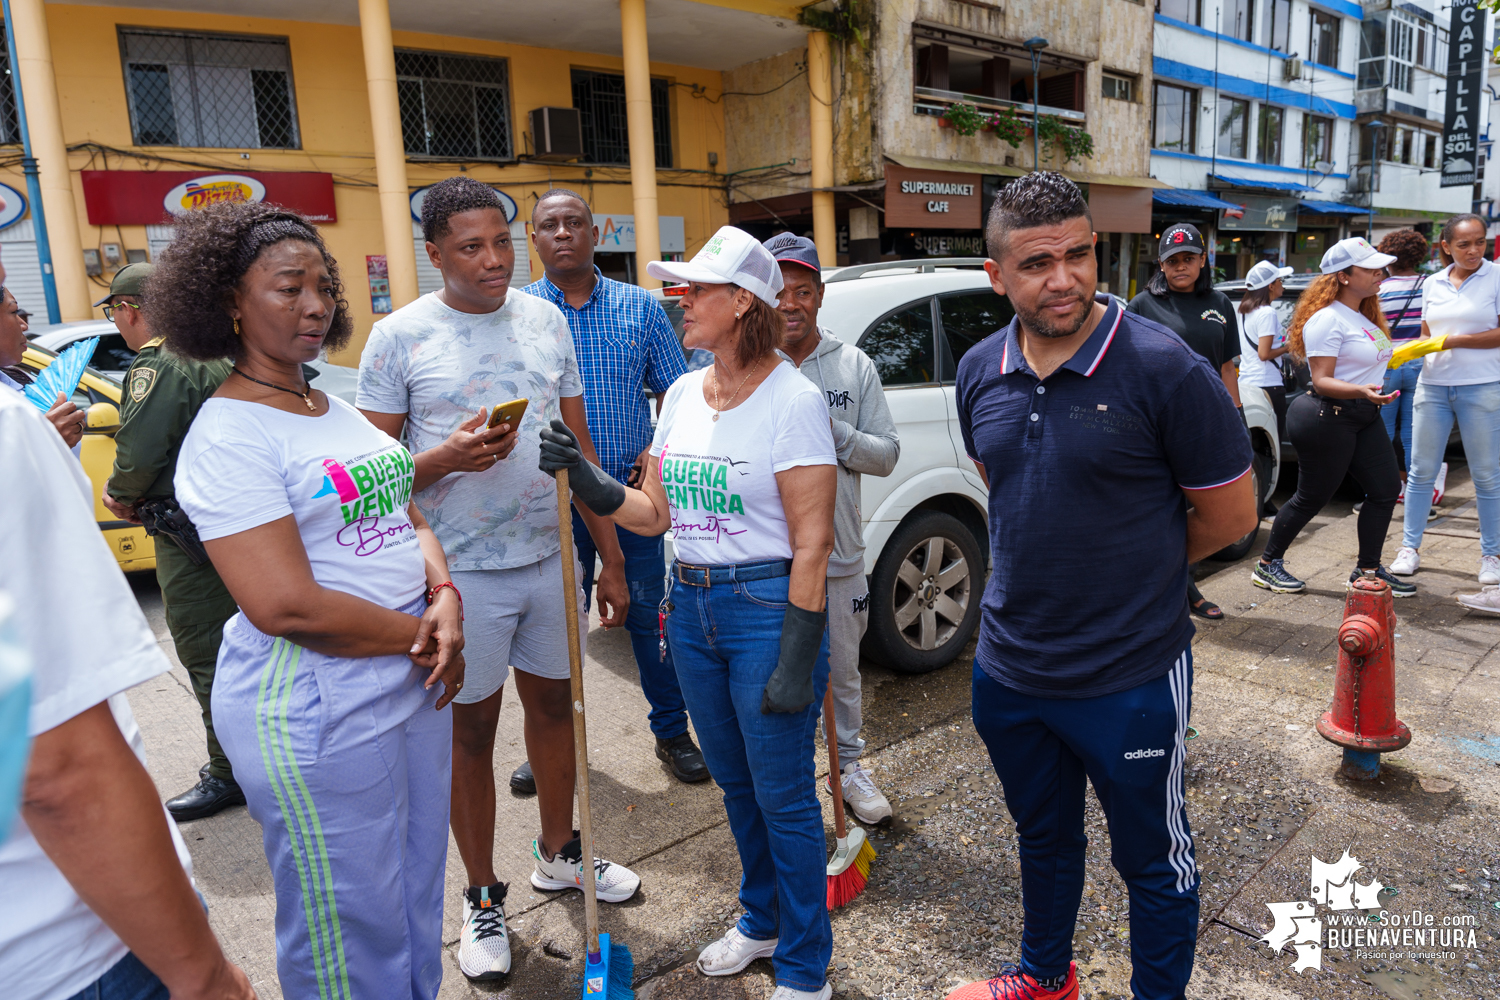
[112, 82]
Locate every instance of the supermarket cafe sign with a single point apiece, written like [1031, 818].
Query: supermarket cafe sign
[144, 198]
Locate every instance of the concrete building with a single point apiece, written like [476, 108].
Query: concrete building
[347, 112]
[931, 114]
[1254, 125]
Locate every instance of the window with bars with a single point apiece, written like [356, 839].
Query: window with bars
[218, 91]
[10, 127]
[454, 107]
[600, 100]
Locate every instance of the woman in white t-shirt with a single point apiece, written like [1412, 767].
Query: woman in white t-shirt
[327, 679]
[1262, 331]
[745, 478]
[1339, 328]
[1459, 384]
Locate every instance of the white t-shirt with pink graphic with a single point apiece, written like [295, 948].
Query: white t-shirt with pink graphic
[720, 475]
[346, 482]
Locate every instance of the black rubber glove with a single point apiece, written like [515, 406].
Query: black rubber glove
[790, 688]
[599, 493]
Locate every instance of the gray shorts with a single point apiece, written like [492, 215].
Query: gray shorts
[515, 618]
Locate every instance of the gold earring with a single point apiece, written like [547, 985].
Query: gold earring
[236, 326]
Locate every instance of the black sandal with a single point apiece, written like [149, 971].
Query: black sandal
[1202, 606]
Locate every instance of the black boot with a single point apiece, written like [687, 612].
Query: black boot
[684, 758]
[210, 795]
[522, 781]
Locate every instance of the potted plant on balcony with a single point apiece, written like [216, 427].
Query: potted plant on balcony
[1007, 126]
[965, 119]
[1075, 142]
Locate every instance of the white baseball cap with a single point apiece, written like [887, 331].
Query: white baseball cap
[1264, 273]
[1353, 252]
[731, 256]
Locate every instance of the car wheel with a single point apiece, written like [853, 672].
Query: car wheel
[925, 594]
[1259, 471]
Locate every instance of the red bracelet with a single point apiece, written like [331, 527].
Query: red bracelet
[432, 594]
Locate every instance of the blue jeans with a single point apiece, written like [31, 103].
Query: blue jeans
[1477, 410]
[1398, 415]
[645, 573]
[1130, 746]
[727, 639]
[127, 979]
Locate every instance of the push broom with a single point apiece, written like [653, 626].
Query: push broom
[849, 868]
[609, 968]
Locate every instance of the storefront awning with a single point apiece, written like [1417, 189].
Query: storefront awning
[1331, 208]
[1188, 198]
[1255, 182]
[1001, 170]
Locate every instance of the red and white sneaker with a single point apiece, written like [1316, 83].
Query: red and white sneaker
[1439, 485]
[1013, 984]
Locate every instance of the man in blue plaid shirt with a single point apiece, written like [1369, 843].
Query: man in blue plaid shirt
[625, 345]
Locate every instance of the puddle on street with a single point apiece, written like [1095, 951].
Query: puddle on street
[1401, 984]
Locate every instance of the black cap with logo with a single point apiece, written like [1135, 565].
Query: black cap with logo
[1178, 238]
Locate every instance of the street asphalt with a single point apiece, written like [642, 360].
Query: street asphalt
[943, 904]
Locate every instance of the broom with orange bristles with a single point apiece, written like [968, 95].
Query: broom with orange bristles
[849, 868]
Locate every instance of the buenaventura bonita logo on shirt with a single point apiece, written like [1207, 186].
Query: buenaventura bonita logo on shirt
[702, 496]
[369, 487]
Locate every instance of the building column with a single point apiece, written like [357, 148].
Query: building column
[390, 150]
[44, 118]
[820, 116]
[642, 138]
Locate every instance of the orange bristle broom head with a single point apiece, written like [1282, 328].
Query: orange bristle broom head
[849, 868]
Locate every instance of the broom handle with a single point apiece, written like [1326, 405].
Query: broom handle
[580, 731]
[831, 732]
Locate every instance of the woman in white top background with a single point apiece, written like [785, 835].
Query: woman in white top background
[1339, 328]
[1459, 383]
[746, 478]
[328, 677]
[1262, 330]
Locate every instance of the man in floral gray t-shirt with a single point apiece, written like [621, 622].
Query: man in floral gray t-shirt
[437, 368]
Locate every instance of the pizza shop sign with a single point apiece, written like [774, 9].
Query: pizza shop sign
[152, 197]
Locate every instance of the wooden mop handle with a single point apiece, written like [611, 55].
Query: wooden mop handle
[580, 731]
[830, 731]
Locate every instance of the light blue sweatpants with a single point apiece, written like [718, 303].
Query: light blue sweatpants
[346, 767]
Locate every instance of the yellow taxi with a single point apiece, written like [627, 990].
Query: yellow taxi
[99, 395]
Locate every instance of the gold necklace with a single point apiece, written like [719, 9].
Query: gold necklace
[719, 409]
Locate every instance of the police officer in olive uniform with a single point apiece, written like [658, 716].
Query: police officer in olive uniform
[162, 395]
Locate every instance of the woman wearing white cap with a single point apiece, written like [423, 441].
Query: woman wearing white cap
[1339, 328]
[745, 478]
[1262, 325]
[1460, 311]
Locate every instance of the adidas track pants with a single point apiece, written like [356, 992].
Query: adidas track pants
[346, 767]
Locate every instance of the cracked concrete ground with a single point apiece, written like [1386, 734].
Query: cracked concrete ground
[943, 901]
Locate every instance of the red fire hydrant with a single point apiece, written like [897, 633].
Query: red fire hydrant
[1362, 718]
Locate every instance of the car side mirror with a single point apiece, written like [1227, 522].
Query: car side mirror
[103, 418]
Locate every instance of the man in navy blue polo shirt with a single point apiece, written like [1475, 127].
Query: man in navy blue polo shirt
[1113, 457]
[625, 344]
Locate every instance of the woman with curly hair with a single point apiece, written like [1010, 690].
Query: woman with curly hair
[1401, 301]
[1339, 329]
[327, 678]
[1460, 383]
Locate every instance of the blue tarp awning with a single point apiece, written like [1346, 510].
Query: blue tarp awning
[1188, 198]
[1255, 182]
[1332, 208]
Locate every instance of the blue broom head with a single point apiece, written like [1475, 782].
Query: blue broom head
[609, 975]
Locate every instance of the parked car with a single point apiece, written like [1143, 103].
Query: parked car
[925, 525]
[112, 357]
[99, 394]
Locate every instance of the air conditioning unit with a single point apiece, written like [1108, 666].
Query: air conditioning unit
[1291, 69]
[556, 134]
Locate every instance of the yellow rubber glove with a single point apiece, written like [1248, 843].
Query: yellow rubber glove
[1417, 349]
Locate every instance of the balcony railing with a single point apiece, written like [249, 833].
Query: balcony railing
[931, 101]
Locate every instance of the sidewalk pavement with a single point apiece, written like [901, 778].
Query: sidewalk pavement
[943, 902]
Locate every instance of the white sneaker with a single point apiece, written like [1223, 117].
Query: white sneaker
[787, 993]
[484, 945]
[864, 800]
[1487, 601]
[613, 883]
[1437, 487]
[1489, 570]
[1407, 561]
[732, 952]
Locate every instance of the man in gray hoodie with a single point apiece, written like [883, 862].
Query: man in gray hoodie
[864, 437]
